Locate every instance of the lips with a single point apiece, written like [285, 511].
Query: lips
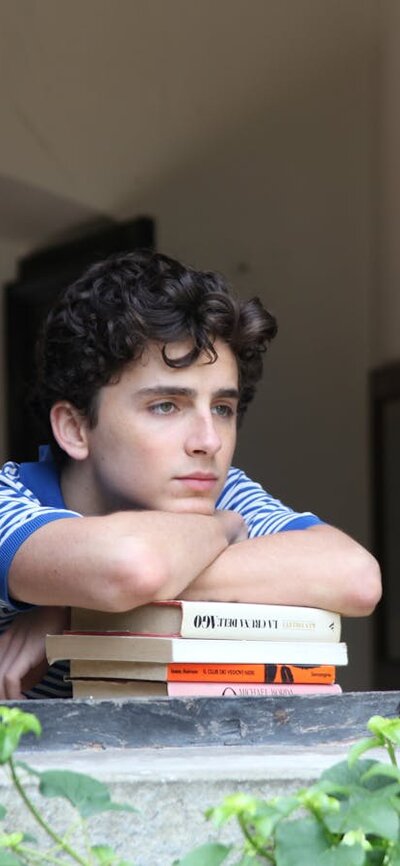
[198, 481]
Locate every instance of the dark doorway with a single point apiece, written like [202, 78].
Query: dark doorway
[385, 403]
[41, 277]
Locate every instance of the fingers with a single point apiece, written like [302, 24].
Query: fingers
[10, 677]
[12, 686]
[234, 526]
[19, 655]
[22, 651]
[9, 650]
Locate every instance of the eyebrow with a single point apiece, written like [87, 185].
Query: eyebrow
[174, 391]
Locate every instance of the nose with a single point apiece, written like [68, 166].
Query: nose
[203, 437]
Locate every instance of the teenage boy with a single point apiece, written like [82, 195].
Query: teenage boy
[144, 369]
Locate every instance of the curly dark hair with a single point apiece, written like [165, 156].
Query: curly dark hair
[106, 318]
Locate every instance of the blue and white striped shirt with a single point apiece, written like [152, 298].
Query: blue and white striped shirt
[30, 497]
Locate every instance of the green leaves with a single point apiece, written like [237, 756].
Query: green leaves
[87, 795]
[15, 723]
[106, 856]
[232, 806]
[350, 817]
[386, 730]
[212, 854]
[373, 815]
[386, 735]
[305, 842]
[8, 858]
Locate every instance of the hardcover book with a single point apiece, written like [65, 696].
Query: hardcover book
[109, 647]
[101, 689]
[215, 620]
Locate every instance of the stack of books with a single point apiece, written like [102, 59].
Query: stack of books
[185, 648]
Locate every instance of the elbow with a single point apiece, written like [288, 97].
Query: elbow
[137, 579]
[363, 586]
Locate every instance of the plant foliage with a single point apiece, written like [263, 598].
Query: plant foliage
[88, 797]
[349, 817]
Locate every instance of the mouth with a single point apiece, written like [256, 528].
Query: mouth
[198, 481]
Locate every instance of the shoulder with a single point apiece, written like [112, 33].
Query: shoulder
[263, 513]
[239, 487]
[11, 484]
[9, 472]
[27, 502]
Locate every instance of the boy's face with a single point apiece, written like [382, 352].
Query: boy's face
[165, 436]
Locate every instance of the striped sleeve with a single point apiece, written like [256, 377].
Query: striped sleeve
[20, 515]
[262, 513]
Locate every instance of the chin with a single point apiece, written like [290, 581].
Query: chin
[194, 506]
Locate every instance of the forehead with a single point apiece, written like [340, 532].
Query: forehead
[152, 366]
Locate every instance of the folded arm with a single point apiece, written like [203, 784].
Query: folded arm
[118, 561]
[316, 567]
[111, 563]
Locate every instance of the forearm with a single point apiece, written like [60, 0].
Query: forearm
[115, 562]
[316, 567]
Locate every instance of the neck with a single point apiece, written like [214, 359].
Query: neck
[78, 489]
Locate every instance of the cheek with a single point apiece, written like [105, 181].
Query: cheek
[229, 443]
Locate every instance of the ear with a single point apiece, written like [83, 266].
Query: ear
[69, 429]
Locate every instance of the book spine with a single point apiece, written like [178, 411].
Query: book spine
[286, 674]
[258, 622]
[179, 651]
[240, 690]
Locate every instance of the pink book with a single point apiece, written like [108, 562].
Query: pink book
[240, 690]
[106, 689]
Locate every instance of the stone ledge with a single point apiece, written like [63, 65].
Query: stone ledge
[206, 722]
[233, 763]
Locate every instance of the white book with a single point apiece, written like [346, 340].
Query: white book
[215, 620]
[109, 647]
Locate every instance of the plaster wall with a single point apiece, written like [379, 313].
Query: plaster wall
[9, 253]
[385, 343]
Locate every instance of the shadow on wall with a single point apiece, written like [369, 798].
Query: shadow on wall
[31, 215]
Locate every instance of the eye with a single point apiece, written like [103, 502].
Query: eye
[165, 407]
[223, 410]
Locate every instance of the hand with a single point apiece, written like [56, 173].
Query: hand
[22, 650]
[233, 525]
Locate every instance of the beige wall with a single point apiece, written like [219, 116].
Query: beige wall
[9, 253]
[385, 345]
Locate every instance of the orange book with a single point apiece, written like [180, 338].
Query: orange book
[258, 673]
[207, 672]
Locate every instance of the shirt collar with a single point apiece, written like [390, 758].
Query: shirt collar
[43, 479]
